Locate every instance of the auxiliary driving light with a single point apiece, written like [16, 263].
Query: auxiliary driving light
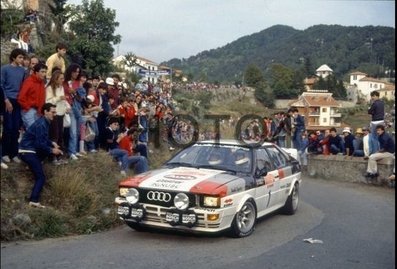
[181, 201]
[132, 196]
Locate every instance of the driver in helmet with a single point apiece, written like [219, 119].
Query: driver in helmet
[215, 158]
[241, 158]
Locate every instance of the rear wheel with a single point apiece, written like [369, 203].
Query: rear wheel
[244, 221]
[291, 205]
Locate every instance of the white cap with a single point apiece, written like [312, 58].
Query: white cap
[91, 97]
[109, 81]
[346, 130]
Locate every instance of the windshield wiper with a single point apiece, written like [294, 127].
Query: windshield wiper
[180, 164]
[207, 166]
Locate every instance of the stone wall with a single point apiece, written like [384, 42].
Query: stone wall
[346, 168]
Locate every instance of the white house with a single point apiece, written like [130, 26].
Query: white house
[147, 69]
[366, 85]
[324, 71]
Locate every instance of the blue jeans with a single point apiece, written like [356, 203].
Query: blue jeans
[11, 125]
[358, 153]
[297, 139]
[334, 149]
[72, 147]
[140, 163]
[120, 155]
[29, 117]
[281, 141]
[142, 149]
[33, 160]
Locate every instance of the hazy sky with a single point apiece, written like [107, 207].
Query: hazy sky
[164, 29]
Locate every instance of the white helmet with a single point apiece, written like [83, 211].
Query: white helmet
[241, 158]
[214, 159]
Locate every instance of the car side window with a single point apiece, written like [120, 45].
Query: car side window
[263, 160]
[279, 159]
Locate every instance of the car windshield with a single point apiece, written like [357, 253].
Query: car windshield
[215, 156]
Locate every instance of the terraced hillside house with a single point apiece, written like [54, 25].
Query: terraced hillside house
[320, 109]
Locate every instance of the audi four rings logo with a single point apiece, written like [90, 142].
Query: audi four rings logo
[159, 196]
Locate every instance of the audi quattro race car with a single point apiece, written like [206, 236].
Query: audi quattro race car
[211, 187]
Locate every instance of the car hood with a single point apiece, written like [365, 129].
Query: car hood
[187, 179]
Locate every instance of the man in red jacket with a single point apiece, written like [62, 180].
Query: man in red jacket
[32, 95]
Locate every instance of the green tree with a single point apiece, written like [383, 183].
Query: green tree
[282, 81]
[253, 76]
[264, 94]
[93, 27]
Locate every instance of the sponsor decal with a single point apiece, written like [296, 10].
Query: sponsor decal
[182, 179]
[228, 202]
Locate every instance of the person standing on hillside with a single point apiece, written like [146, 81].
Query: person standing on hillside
[35, 146]
[377, 111]
[12, 76]
[32, 95]
[57, 59]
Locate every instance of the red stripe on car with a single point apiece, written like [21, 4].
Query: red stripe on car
[210, 188]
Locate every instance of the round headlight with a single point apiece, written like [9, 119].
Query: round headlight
[181, 201]
[132, 196]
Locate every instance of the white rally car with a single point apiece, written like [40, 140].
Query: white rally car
[213, 186]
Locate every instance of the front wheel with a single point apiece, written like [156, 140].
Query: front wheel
[244, 221]
[291, 205]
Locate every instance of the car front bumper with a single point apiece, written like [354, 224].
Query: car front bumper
[208, 220]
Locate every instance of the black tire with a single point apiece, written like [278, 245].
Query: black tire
[244, 221]
[291, 205]
[136, 226]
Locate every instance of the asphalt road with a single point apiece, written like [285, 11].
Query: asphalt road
[355, 222]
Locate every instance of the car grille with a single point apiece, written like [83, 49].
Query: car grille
[143, 198]
[157, 214]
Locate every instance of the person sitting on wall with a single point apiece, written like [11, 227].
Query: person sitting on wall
[386, 150]
[336, 145]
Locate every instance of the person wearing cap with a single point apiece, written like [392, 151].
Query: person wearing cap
[113, 93]
[370, 142]
[386, 150]
[348, 139]
[358, 143]
[377, 111]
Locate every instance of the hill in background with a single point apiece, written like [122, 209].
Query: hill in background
[369, 49]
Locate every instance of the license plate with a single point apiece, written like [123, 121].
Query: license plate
[122, 210]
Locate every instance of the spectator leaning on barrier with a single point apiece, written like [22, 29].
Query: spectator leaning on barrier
[336, 145]
[35, 146]
[12, 76]
[386, 150]
[377, 111]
